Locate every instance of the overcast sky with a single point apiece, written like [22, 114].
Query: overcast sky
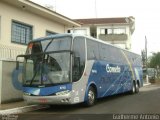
[146, 15]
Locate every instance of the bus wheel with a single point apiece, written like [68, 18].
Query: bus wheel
[136, 88]
[133, 90]
[91, 96]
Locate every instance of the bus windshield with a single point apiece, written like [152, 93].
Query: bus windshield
[48, 62]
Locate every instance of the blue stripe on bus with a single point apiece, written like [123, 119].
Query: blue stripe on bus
[47, 90]
[110, 83]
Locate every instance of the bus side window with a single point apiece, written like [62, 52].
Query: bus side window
[78, 58]
[76, 68]
[92, 50]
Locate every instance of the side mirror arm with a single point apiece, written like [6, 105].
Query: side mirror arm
[17, 62]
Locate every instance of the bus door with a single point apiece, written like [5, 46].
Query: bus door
[78, 65]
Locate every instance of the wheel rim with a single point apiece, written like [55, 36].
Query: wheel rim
[91, 97]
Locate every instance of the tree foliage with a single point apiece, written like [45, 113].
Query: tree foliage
[155, 60]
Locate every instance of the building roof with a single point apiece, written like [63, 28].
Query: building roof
[130, 21]
[34, 8]
[119, 20]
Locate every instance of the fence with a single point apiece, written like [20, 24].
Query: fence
[10, 52]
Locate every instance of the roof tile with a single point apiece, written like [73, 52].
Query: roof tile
[102, 20]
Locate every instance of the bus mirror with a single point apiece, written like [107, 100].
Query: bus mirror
[17, 65]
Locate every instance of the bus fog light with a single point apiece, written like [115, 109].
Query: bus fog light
[65, 100]
[26, 94]
[63, 92]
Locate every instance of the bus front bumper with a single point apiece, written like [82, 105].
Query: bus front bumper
[55, 99]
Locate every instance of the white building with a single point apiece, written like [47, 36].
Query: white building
[22, 21]
[116, 31]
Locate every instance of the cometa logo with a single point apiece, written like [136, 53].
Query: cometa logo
[110, 69]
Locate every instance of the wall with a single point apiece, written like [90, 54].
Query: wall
[0, 80]
[40, 24]
[10, 52]
[10, 82]
[0, 27]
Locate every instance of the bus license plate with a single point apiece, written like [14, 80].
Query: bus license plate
[42, 100]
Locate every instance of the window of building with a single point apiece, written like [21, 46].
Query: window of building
[68, 31]
[48, 33]
[79, 31]
[21, 33]
[119, 31]
[105, 31]
[102, 31]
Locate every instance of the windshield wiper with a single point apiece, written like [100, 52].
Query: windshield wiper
[43, 58]
[48, 45]
[34, 73]
[42, 62]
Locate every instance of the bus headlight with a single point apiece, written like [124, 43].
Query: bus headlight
[63, 92]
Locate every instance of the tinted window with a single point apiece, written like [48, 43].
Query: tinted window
[79, 57]
[92, 50]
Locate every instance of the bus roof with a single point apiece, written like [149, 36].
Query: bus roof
[76, 35]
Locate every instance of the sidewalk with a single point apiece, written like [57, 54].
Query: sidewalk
[19, 107]
[12, 105]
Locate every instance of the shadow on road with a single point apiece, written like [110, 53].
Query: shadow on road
[63, 109]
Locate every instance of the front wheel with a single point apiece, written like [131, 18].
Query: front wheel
[91, 96]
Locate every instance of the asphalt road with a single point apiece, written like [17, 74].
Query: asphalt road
[145, 102]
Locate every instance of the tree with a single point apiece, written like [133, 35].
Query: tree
[155, 60]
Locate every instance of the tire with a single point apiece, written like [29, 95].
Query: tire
[133, 90]
[136, 88]
[91, 97]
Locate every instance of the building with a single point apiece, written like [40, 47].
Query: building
[116, 31]
[22, 21]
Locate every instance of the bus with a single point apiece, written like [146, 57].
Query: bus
[71, 68]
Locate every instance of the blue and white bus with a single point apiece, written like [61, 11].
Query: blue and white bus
[70, 69]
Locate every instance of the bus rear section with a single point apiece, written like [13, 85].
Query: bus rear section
[111, 70]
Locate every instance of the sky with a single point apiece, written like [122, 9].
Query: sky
[146, 13]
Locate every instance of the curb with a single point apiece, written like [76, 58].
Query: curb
[147, 84]
[23, 109]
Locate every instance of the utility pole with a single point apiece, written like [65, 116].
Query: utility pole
[146, 50]
[146, 59]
